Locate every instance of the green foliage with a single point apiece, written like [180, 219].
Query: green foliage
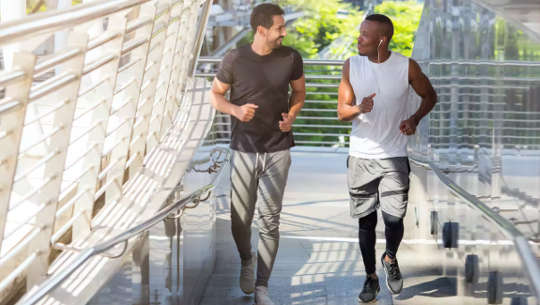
[405, 17]
[511, 43]
[323, 23]
[335, 25]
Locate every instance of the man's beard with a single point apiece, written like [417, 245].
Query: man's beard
[276, 43]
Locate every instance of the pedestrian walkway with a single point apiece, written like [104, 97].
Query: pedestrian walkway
[319, 260]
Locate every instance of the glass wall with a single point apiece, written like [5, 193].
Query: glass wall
[486, 125]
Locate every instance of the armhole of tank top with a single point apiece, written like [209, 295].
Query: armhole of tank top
[351, 67]
[408, 82]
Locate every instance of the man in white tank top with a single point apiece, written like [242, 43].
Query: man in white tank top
[373, 95]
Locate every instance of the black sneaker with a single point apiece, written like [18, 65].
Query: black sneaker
[370, 290]
[394, 281]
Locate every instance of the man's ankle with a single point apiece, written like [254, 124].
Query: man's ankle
[388, 259]
[373, 276]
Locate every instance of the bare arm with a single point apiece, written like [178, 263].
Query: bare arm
[346, 109]
[217, 97]
[296, 103]
[422, 86]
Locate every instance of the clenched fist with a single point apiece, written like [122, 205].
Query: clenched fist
[245, 112]
[285, 125]
[408, 127]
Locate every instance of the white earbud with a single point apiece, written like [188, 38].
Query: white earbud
[378, 61]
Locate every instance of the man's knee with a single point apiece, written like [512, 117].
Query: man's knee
[269, 226]
[392, 221]
[369, 222]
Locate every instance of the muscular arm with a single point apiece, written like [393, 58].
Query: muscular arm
[217, 97]
[298, 96]
[422, 86]
[296, 103]
[346, 110]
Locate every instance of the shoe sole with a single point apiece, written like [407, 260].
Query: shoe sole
[386, 278]
[247, 291]
[362, 302]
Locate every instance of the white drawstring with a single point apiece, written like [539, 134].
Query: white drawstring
[256, 163]
[264, 161]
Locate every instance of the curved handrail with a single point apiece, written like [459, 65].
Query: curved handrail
[86, 254]
[502, 222]
[527, 256]
[318, 62]
[49, 22]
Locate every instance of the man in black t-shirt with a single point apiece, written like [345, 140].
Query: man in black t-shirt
[259, 76]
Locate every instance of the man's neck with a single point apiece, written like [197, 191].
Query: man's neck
[381, 57]
[260, 48]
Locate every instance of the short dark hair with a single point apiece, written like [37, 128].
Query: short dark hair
[262, 15]
[388, 29]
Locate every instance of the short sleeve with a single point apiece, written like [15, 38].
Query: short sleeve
[225, 72]
[298, 66]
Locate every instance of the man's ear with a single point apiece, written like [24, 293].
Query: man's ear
[260, 30]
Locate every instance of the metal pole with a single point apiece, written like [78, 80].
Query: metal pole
[11, 10]
[60, 38]
[200, 36]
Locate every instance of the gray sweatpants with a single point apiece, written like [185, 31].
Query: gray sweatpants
[262, 175]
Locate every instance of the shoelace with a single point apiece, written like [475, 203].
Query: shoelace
[393, 270]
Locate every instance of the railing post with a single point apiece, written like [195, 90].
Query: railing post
[112, 181]
[170, 100]
[126, 114]
[166, 76]
[135, 156]
[63, 118]
[12, 123]
[181, 56]
[11, 10]
[147, 93]
[203, 22]
[187, 66]
[94, 162]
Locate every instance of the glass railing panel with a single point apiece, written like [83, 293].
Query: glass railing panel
[486, 70]
[470, 251]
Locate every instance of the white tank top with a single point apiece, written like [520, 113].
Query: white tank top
[376, 134]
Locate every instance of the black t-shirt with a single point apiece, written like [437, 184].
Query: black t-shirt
[263, 81]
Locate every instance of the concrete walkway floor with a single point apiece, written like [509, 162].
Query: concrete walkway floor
[319, 261]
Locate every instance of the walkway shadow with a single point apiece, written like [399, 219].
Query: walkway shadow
[437, 288]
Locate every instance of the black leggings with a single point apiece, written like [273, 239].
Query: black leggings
[366, 235]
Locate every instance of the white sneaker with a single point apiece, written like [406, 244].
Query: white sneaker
[261, 296]
[247, 275]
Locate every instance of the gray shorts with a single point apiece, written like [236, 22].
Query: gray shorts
[374, 182]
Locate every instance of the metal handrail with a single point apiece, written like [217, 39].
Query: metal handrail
[314, 62]
[521, 243]
[199, 38]
[49, 22]
[514, 63]
[123, 237]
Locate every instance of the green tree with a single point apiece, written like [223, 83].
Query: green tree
[323, 23]
[405, 16]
